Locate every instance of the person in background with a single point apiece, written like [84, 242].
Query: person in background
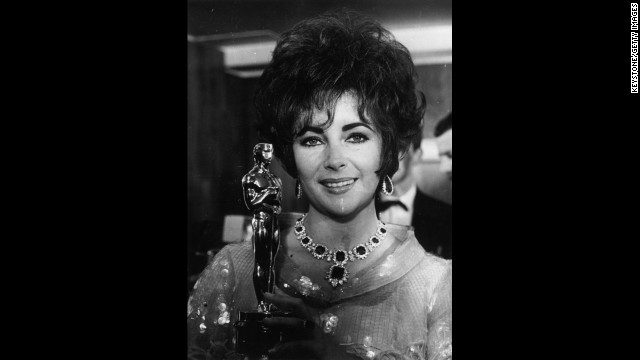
[339, 103]
[444, 137]
[431, 218]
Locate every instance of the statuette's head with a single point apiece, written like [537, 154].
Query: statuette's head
[263, 153]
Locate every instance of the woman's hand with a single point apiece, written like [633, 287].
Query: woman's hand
[292, 304]
[316, 345]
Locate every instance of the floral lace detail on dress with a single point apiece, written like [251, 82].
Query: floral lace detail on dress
[210, 311]
[413, 352]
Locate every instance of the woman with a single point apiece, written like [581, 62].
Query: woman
[339, 104]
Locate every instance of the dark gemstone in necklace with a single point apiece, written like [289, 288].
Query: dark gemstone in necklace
[306, 240]
[383, 230]
[340, 256]
[361, 250]
[375, 240]
[320, 249]
[299, 229]
[337, 272]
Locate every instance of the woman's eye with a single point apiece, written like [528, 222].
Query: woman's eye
[310, 141]
[357, 138]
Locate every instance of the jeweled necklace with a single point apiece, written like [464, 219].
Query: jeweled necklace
[338, 273]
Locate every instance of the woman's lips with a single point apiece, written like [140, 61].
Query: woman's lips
[338, 186]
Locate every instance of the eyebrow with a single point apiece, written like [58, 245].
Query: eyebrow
[355, 125]
[314, 129]
[319, 130]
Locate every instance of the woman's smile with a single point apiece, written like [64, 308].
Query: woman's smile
[338, 186]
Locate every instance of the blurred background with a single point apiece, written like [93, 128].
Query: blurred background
[228, 44]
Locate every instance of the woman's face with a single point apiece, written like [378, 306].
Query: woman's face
[445, 142]
[336, 166]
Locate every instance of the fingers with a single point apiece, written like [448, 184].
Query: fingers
[281, 322]
[291, 304]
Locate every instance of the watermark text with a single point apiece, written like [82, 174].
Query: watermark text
[634, 48]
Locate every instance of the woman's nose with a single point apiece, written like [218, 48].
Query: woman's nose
[335, 159]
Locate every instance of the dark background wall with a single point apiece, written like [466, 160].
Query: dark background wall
[206, 17]
[220, 114]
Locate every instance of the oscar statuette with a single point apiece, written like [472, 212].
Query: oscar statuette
[262, 192]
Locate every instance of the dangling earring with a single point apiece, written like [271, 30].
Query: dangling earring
[298, 189]
[387, 189]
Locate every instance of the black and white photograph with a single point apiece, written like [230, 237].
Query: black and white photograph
[319, 179]
[316, 210]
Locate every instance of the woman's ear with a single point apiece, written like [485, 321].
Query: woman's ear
[411, 156]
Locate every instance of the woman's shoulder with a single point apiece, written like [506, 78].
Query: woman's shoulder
[239, 247]
[436, 265]
[431, 266]
[405, 236]
[241, 253]
[238, 252]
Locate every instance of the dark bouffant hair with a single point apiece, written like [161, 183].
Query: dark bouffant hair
[320, 59]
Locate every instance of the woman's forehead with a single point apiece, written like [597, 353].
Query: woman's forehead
[322, 115]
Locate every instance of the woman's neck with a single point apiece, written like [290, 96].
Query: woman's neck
[342, 233]
[402, 187]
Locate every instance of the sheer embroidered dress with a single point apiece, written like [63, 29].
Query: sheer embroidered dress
[398, 308]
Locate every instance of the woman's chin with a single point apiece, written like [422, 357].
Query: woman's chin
[338, 209]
